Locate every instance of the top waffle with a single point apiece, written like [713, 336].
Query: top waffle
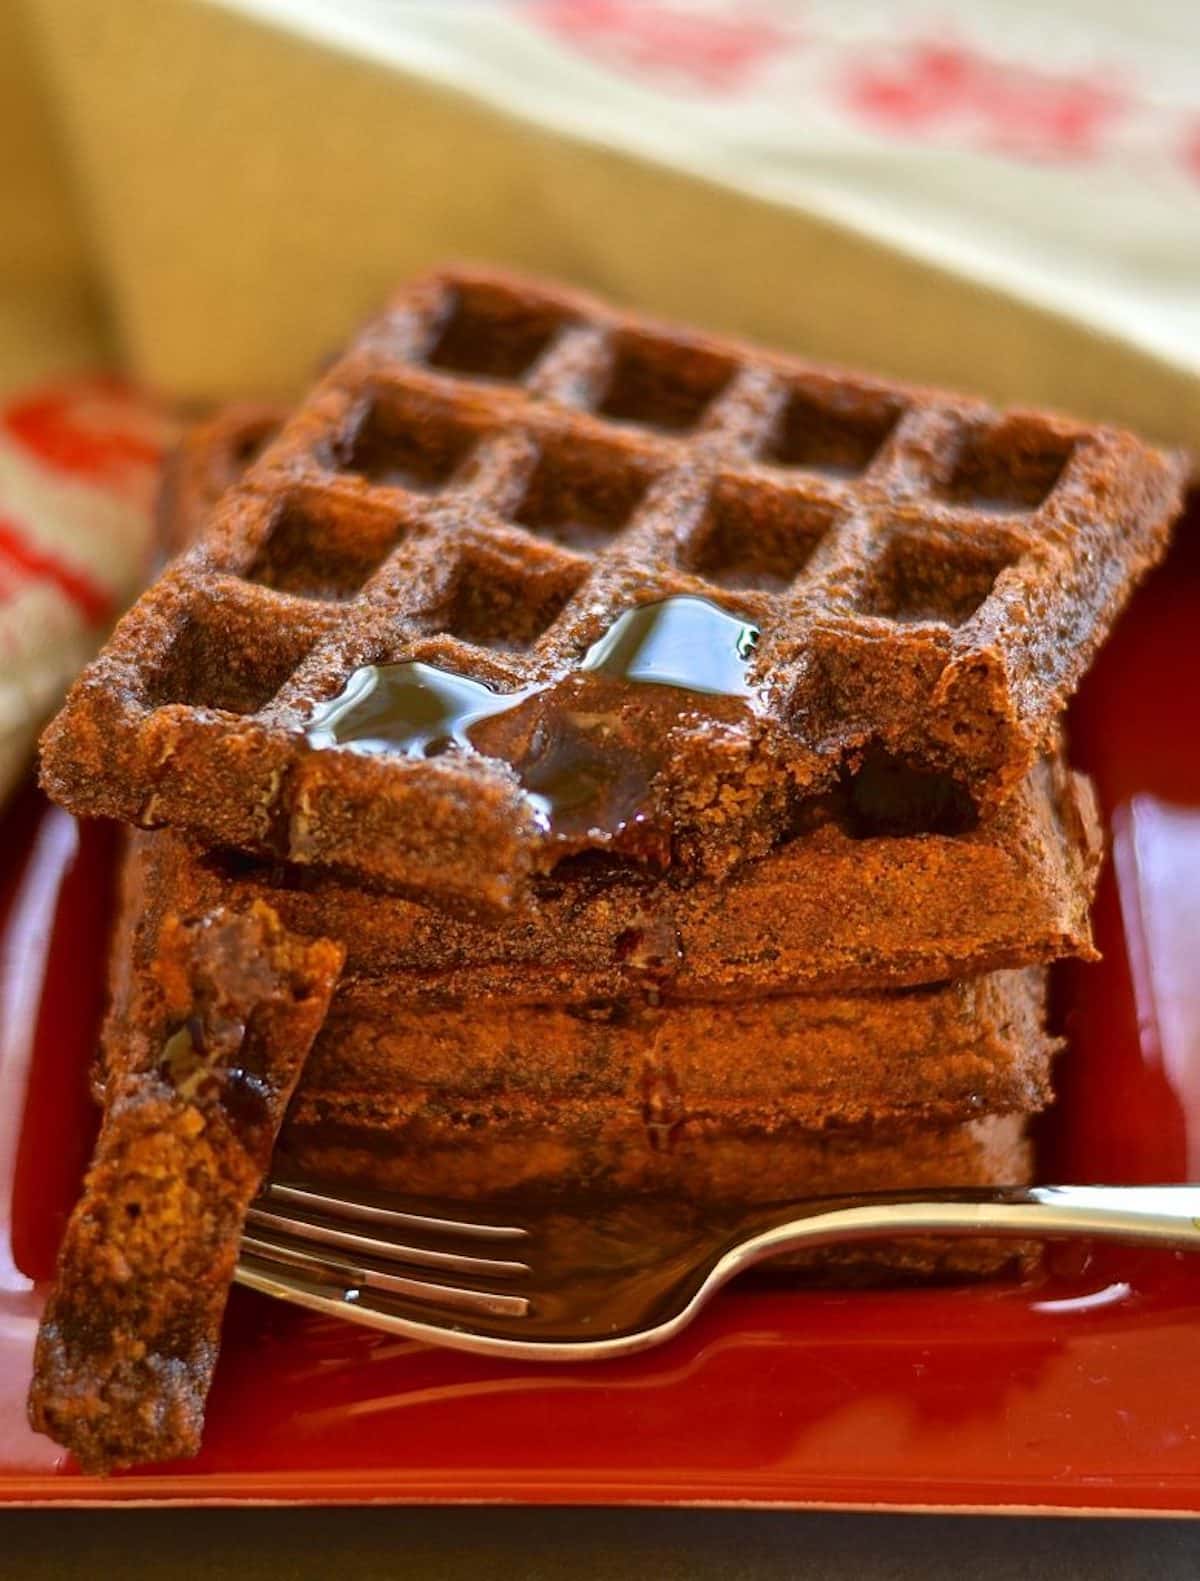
[494, 473]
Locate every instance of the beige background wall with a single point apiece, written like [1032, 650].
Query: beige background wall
[49, 309]
[250, 194]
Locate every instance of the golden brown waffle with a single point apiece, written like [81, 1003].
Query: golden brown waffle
[516, 1087]
[929, 1056]
[386, 1051]
[607, 1150]
[824, 914]
[211, 456]
[495, 471]
[500, 1096]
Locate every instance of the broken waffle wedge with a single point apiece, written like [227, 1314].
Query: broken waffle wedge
[219, 1032]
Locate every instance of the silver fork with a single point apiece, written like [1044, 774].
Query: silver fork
[574, 1283]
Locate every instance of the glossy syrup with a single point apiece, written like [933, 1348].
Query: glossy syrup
[682, 642]
[415, 710]
[587, 747]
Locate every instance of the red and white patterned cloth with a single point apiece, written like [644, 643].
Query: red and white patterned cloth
[79, 465]
[1048, 152]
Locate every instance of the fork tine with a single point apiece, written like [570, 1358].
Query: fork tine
[336, 1207]
[386, 1250]
[357, 1276]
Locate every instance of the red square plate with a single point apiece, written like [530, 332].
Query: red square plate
[1080, 1391]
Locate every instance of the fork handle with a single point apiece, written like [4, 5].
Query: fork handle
[1166, 1215]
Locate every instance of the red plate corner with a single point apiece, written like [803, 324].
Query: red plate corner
[1078, 1392]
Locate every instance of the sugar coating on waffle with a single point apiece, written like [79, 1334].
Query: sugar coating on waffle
[496, 471]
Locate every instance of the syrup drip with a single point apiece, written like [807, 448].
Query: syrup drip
[412, 709]
[586, 747]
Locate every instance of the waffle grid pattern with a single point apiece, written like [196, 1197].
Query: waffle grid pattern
[496, 469]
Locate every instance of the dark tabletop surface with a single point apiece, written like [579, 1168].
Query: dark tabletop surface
[575, 1545]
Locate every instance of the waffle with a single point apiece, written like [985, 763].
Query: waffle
[707, 1165]
[935, 1055]
[498, 470]
[216, 1034]
[509, 1082]
[209, 459]
[824, 914]
[650, 1196]
[620, 1095]
[385, 1056]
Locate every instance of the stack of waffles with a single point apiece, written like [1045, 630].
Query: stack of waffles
[575, 754]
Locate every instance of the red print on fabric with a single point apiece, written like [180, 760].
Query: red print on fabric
[716, 54]
[929, 88]
[1191, 150]
[90, 428]
[22, 561]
